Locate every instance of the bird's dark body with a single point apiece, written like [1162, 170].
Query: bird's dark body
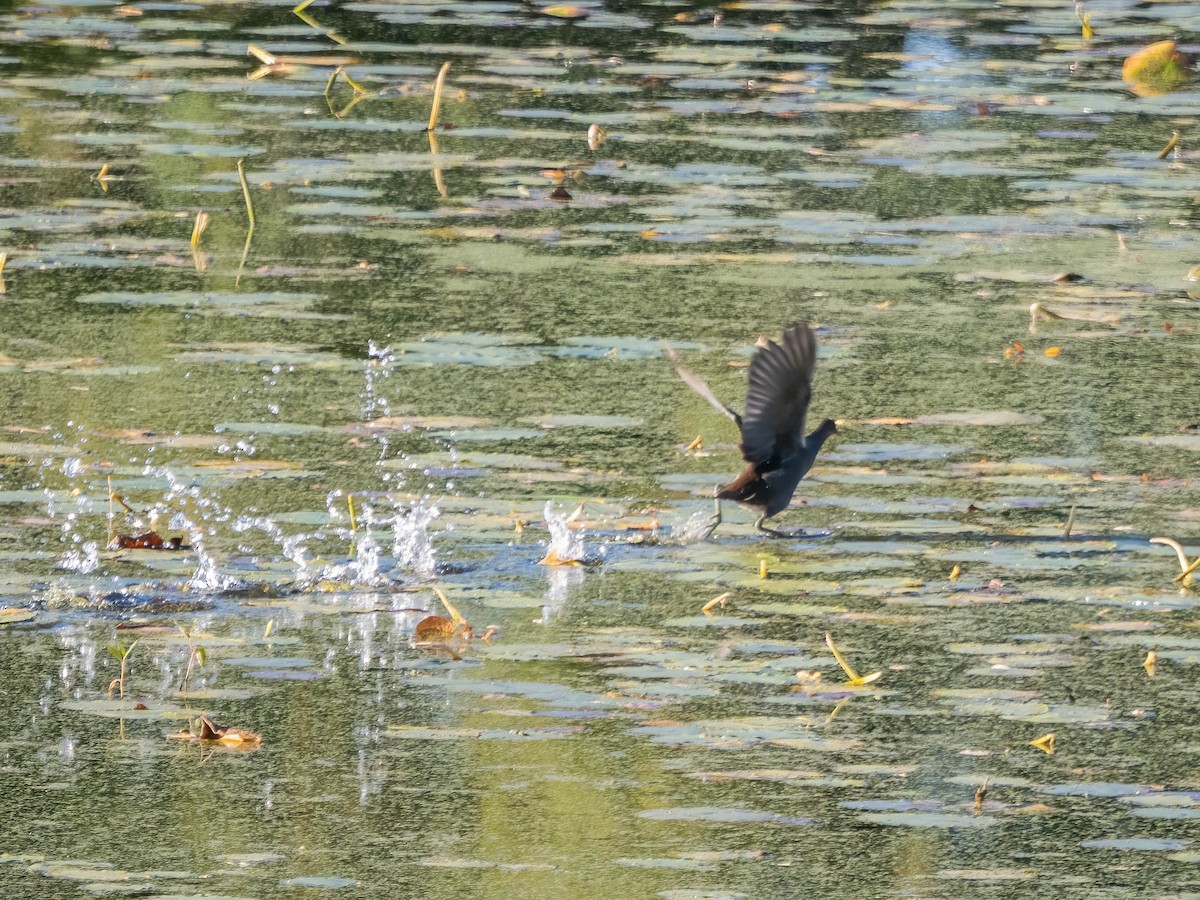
[770, 486]
[778, 454]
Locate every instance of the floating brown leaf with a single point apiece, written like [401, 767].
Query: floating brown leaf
[437, 628]
[150, 540]
[212, 733]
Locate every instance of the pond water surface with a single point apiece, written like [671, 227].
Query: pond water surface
[434, 356]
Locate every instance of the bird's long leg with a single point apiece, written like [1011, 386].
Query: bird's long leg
[759, 526]
[715, 521]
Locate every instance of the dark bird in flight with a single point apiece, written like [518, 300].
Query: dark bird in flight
[777, 452]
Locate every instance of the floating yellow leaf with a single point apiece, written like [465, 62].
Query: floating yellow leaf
[567, 12]
[212, 733]
[1156, 69]
[553, 559]
[855, 679]
[762, 568]
[13, 616]
[1045, 743]
[955, 573]
[1151, 663]
[1053, 351]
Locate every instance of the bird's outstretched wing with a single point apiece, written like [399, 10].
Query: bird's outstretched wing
[780, 386]
[696, 383]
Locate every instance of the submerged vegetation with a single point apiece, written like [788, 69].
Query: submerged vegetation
[361, 538]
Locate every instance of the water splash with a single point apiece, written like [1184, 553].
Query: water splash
[412, 545]
[196, 516]
[563, 580]
[566, 543]
[84, 560]
[81, 555]
[363, 570]
[697, 527]
[205, 524]
[381, 362]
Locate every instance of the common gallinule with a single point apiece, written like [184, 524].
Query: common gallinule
[776, 450]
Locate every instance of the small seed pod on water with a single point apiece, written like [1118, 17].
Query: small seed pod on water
[596, 137]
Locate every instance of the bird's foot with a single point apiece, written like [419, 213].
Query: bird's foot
[763, 529]
[792, 533]
[715, 519]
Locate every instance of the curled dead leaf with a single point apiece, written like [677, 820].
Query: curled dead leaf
[435, 628]
[719, 600]
[854, 679]
[150, 540]
[1045, 743]
[596, 137]
[210, 732]
[553, 559]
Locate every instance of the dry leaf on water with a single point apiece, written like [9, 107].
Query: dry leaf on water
[553, 559]
[1045, 743]
[1156, 69]
[855, 680]
[567, 12]
[212, 733]
[720, 600]
[150, 540]
[437, 628]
